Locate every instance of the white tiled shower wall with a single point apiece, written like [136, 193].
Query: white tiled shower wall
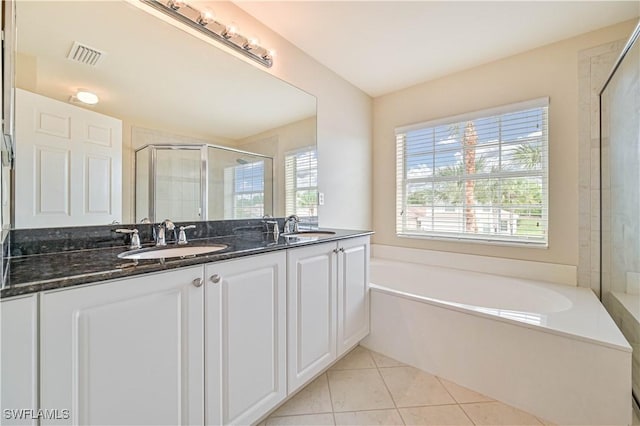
[594, 66]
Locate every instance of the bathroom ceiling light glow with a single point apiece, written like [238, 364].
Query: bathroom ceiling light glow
[205, 22]
[86, 97]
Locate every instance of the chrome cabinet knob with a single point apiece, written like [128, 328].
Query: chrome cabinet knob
[197, 282]
[215, 278]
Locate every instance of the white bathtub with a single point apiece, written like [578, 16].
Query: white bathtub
[549, 349]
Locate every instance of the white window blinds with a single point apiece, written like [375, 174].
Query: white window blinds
[479, 176]
[301, 184]
[245, 187]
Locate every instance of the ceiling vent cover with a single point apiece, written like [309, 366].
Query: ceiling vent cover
[85, 55]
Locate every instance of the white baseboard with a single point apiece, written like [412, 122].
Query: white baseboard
[526, 269]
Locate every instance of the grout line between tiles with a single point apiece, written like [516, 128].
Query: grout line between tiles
[466, 414]
[387, 388]
[483, 402]
[333, 410]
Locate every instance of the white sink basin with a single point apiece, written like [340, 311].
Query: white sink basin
[309, 234]
[162, 253]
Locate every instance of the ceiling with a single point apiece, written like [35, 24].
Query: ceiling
[153, 74]
[384, 46]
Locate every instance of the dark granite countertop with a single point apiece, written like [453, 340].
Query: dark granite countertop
[31, 273]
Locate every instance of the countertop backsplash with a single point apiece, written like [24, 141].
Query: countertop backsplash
[26, 242]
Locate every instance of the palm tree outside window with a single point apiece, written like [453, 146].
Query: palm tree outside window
[478, 176]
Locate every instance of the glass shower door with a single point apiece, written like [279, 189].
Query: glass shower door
[178, 191]
[620, 199]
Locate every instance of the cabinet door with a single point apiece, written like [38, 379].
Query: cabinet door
[353, 292]
[245, 314]
[311, 299]
[125, 352]
[19, 318]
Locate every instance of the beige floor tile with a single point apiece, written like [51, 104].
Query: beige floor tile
[463, 395]
[384, 361]
[435, 415]
[359, 357]
[303, 420]
[357, 390]
[367, 418]
[545, 423]
[312, 399]
[411, 387]
[497, 413]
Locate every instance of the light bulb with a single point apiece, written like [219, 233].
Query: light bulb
[271, 53]
[205, 17]
[252, 43]
[87, 97]
[231, 31]
[176, 4]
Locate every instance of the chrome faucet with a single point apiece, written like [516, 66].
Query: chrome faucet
[135, 238]
[291, 224]
[182, 236]
[271, 226]
[165, 226]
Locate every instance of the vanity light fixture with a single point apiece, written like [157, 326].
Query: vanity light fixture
[205, 22]
[85, 96]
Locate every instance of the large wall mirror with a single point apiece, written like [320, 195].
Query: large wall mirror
[182, 130]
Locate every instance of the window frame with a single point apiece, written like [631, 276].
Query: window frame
[292, 188]
[233, 194]
[403, 182]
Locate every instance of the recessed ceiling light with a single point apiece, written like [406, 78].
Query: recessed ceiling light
[87, 97]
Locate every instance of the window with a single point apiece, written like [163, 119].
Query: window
[479, 176]
[246, 184]
[301, 184]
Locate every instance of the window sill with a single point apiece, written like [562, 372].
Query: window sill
[479, 240]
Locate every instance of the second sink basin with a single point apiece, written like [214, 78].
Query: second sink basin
[165, 252]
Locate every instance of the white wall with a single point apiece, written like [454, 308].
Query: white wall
[344, 120]
[547, 71]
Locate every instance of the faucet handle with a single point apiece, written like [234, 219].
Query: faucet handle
[182, 236]
[135, 238]
[291, 223]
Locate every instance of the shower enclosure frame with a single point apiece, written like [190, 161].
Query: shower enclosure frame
[633, 39]
[204, 173]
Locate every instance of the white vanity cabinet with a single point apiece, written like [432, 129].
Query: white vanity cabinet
[222, 343]
[245, 342]
[312, 307]
[353, 292]
[19, 360]
[328, 305]
[125, 352]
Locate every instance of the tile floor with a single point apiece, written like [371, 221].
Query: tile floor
[366, 388]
